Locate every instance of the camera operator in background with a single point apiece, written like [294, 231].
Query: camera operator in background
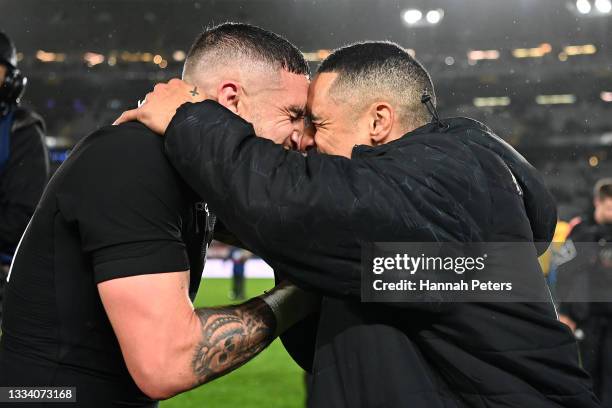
[24, 160]
[585, 274]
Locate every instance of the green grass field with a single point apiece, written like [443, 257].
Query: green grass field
[270, 380]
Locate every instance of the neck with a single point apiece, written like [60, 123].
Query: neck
[400, 130]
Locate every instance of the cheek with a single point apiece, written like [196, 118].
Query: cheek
[321, 137]
[341, 137]
[279, 132]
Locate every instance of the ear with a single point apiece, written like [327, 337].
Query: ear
[228, 95]
[382, 118]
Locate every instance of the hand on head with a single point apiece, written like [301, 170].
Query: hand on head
[160, 105]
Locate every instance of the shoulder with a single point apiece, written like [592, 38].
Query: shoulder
[124, 155]
[131, 135]
[437, 156]
[26, 118]
[120, 170]
[130, 144]
[27, 129]
[583, 231]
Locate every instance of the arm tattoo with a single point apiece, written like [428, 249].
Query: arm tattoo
[231, 336]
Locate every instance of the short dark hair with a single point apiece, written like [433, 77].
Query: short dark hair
[603, 189]
[234, 40]
[382, 69]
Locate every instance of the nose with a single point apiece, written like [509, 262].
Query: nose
[307, 142]
[296, 138]
[308, 139]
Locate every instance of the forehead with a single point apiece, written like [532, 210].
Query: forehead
[294, 87]
[318, 93]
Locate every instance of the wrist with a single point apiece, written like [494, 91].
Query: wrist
[289, 304]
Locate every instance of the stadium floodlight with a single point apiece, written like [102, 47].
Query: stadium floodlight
[489, 102]
[45, 56]
[412, 16]
[478, 55]
[434, 16]
[606, 96]
[586, 49]
[604, 6]
[93, 58]
[179, 55]
[583, 6]
[555, 99]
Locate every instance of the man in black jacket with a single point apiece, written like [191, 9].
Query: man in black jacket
[385, 174]
[584, 285]
[24, 161]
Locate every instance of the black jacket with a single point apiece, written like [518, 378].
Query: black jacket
[309, 216]
[588, 276]
[23, 177]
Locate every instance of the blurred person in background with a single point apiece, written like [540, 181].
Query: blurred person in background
[24, 160]
[239, 257]
[548, 260]
[99, 295]
[586, 271]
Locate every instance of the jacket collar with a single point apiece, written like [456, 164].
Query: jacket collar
[454, 125]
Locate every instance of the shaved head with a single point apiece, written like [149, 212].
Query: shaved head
[244, 52]
[372, 71]
[255, 73]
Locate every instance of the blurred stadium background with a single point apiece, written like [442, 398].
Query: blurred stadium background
[538, 72]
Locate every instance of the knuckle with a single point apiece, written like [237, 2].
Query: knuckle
[159, 87]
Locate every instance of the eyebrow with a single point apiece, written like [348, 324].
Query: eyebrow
[296, 110]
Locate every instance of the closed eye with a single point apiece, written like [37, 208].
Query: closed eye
[295, 118]
[314, 120]
[309, 122]
[295, 113]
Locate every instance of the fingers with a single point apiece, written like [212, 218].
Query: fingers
[161, 87]
[147, 97]
[176, 81]
[127, 116]
[160, 105]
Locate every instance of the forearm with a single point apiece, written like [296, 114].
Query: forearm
[203, 345]
[221, 339]
[229, 337]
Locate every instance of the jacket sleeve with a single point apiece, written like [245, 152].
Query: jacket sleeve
[21, 183]
[309, 215]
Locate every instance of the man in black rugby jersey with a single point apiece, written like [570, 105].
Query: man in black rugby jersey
[100, 293]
